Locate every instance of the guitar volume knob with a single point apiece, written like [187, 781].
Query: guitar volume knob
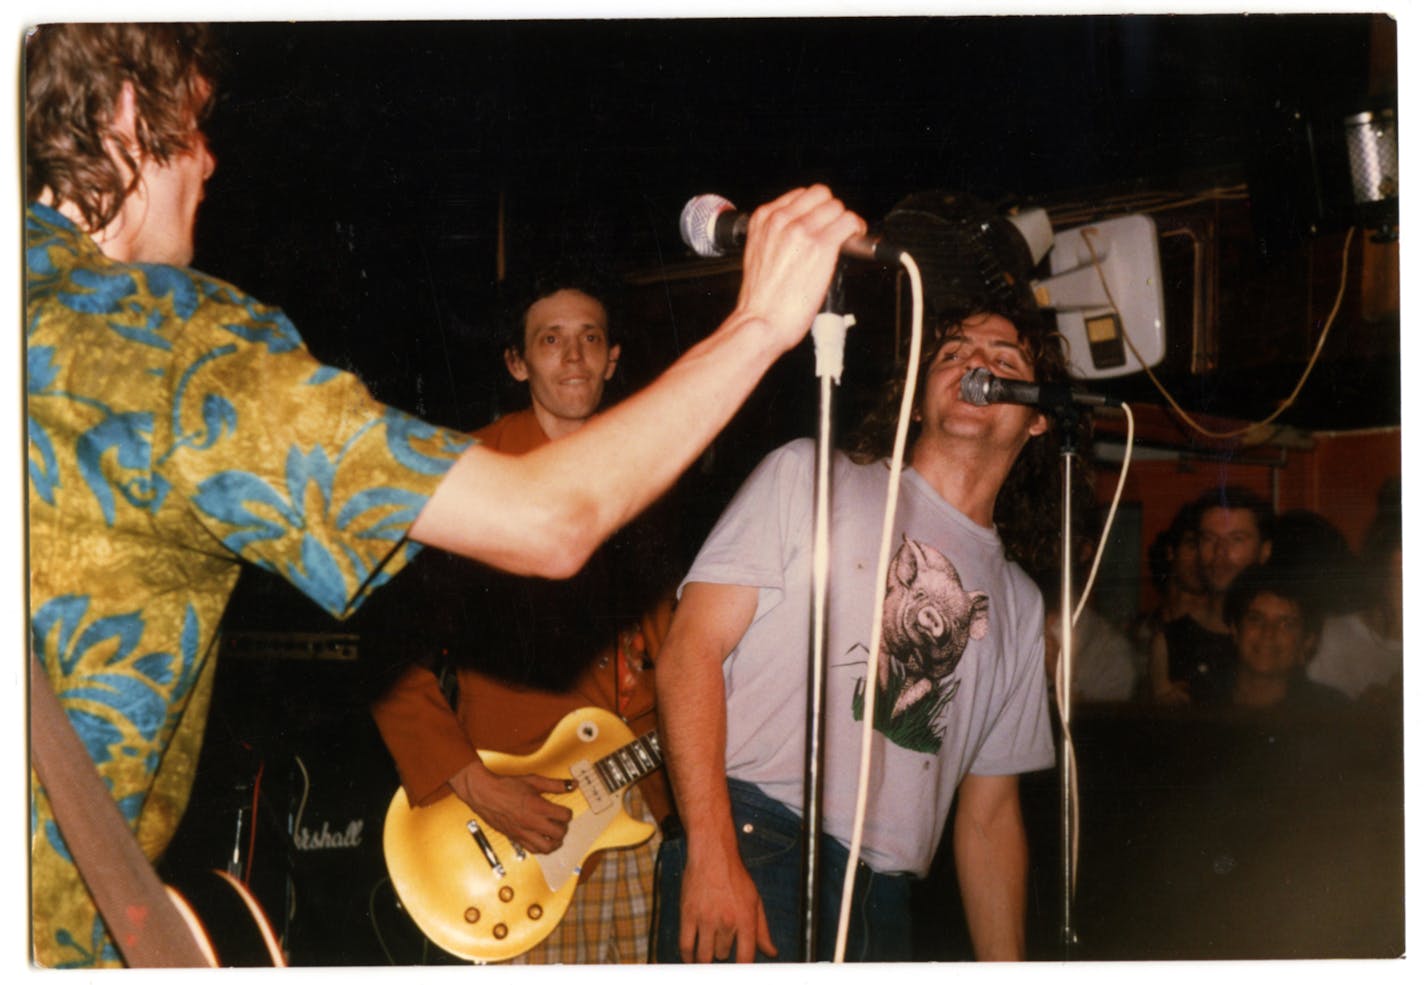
[472, 915]
[506, 893]
[500, 931]
[535, 911]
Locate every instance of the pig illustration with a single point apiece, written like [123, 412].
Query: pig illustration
[928, 620]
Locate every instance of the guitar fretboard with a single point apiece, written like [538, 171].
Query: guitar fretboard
[631, 763]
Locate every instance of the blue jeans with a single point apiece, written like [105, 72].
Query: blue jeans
[770, 839]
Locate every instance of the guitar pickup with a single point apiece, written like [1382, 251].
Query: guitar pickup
[473, 827]
[593, 788]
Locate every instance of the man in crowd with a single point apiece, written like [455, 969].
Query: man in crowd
[1361, 650]
[1192, 655]
[177, 427]
[562, 646]
[1102, 656]
[959, 699]
[1174, 566]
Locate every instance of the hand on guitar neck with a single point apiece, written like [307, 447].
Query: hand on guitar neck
[515, 805]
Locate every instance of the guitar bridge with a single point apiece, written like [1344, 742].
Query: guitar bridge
[473, 827]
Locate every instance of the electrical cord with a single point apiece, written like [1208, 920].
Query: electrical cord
[882, 570]
[295, 826]
[1078, 214]
[1062, 678]
[252, 826]
[1088, 233]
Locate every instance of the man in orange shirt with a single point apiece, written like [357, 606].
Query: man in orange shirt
[566, 646]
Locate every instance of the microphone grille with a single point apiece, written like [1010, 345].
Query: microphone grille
[974, 387]
[699, 223]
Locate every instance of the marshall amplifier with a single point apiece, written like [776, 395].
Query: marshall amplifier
[291, 794]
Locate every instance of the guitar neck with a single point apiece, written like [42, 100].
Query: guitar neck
[627, 765]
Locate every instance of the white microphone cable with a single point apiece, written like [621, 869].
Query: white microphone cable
[882, 570]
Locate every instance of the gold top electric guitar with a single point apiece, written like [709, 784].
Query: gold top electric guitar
[482, 898]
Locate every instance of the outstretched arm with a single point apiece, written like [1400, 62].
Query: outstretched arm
[544, 513]
[720, 906]
[991, 856]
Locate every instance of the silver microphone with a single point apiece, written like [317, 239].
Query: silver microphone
[711, 226]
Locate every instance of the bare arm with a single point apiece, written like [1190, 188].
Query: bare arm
[720, 906]
[1163, 689]
[991, 856]
[544, 513]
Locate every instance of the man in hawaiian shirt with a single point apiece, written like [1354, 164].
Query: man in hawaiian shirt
[177, 427]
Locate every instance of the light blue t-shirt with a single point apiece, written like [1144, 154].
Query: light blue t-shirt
[962, 685]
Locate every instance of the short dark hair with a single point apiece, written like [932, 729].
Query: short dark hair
[1166, 543]
[1313, 550]
[1269, 579]
[74, 74]
[1238, 498]
[550, 280]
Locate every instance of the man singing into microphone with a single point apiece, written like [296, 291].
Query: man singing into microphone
[959, 699]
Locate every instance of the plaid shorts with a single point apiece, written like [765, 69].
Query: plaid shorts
[610, 916]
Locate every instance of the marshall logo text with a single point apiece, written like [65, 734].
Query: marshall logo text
[312, 841]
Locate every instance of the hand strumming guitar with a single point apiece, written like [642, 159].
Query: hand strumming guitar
[515, 805]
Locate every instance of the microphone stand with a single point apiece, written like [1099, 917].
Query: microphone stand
[1067, 416]
[828, 332]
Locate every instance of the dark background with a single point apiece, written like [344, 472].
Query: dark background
[363, 170]
[363, 167]
[390, 183]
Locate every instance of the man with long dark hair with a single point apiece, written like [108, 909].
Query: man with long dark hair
[958, 702]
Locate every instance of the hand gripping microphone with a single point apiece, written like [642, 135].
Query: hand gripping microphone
[712, 227]
[981, 388]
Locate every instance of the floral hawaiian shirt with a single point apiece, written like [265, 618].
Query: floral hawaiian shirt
[175, 427]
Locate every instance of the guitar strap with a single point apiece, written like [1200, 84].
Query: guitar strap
[142, 919]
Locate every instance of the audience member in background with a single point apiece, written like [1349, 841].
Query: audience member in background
[1192, 656]
[1361, 653]
[1104, 660]
[1174, 566]
[1275, 629]
[1309, 548]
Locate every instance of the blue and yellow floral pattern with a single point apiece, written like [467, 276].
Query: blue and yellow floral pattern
[175, 428]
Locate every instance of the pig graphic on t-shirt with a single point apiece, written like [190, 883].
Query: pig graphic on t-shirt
[929, 619]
